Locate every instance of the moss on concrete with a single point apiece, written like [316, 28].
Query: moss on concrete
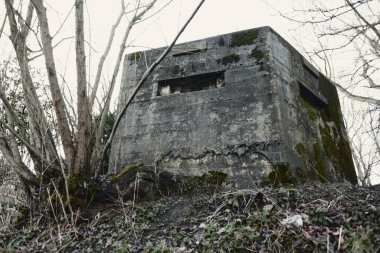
[124, 171]
[320, 165]
[311, 110]
[221, 42]
[300, 175]
[244, 38]
[282, 174]
[339, 153]
[230, 58]
[257, 54]
[301, 150]
[134, 56]
[336, 146]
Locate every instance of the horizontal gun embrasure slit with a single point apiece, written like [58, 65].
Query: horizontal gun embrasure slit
[190, 83]
[312, 97]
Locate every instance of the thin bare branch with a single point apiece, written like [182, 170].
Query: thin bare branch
[104, 56]
[56, 45]
[155, 13]
[2, 26]
[64, 21]
[369, 24]
[368, 100]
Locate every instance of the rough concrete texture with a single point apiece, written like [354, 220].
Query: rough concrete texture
[246, 104]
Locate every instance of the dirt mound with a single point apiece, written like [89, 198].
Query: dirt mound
[307, 218]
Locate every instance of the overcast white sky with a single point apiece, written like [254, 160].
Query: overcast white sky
[215, 17]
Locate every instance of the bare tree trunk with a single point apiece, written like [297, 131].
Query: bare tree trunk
[58, 101]
[84, 119]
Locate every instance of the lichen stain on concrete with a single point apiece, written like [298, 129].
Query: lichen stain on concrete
[213, 117]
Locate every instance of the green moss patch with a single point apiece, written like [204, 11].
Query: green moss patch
[134, 56]
[221, 42]
[244, 38]
[281, 175]
[319, 162]
[124, 171]
[335, 144]
[77, 182]
[311, 110]
[214, 177]
[339, 152]
[230, 58]
[332, 112]
[301, 150]
[257, 54]
[300, 174]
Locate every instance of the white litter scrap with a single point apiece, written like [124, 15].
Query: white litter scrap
[295, 220]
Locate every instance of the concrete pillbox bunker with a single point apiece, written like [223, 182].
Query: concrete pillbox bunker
[246, 104]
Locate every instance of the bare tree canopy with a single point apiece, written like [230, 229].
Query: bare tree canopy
[344, 28]
[344, 39]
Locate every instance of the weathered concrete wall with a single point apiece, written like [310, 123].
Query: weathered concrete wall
[252, 119]
[312, 131]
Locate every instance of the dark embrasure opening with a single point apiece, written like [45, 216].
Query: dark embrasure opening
[190, 83]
